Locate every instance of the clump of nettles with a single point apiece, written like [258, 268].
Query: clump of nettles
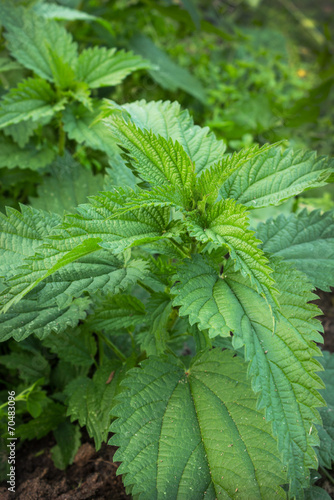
[168, 260]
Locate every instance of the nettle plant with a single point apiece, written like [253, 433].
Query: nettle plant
[55, 100]
[200, 330]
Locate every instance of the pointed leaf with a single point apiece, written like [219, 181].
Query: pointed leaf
[182, 433]
[157, 160]
[273, 176]
[68, 437]
[168, 120]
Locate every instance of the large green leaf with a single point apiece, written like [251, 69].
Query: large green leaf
[226, 225]
[28, 43]
[306, 240]
[282, 366]
[169, 121]
[68, 186]
[273, 176]
[33, 99]
[101, 67]
[195, 433]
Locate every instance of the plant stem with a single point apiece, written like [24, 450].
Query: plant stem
[113, 347]
[62, 138]
[179, 247]
[145, 287]
[327, 474]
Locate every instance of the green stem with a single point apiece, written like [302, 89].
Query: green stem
[327, 474]
[145, 287]
[113, 347]
[179, 247]
[62, 138]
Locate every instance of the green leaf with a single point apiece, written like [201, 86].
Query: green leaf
[325, 451]
[168, 74]
[101, 67]
[41, 317]
[115, 312]
[119, 230]
[306, 240]
[157, 160]
[154, 338]
[226, 224]
[81, 126]
[274, 176]
[68, 437]
[316, 493]
[32, 157]
[54, 11]
[68, 186]
[28, 44]
[90, 400]
[210, 181]
[21, 234]
[282, 366]
[194, 433]
[169, 121]
[33, 99]
[21, 132]
[31, 366]
[76, 346]
[48, 420]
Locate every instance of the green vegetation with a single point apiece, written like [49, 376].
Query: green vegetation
[139, 293]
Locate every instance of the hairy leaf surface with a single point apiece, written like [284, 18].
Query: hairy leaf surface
[306, 240]
[281, 363]
[274, 176]
[157, 160]
[196, 433]
[169, 121]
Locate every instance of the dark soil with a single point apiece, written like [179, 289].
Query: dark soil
[93, 474]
